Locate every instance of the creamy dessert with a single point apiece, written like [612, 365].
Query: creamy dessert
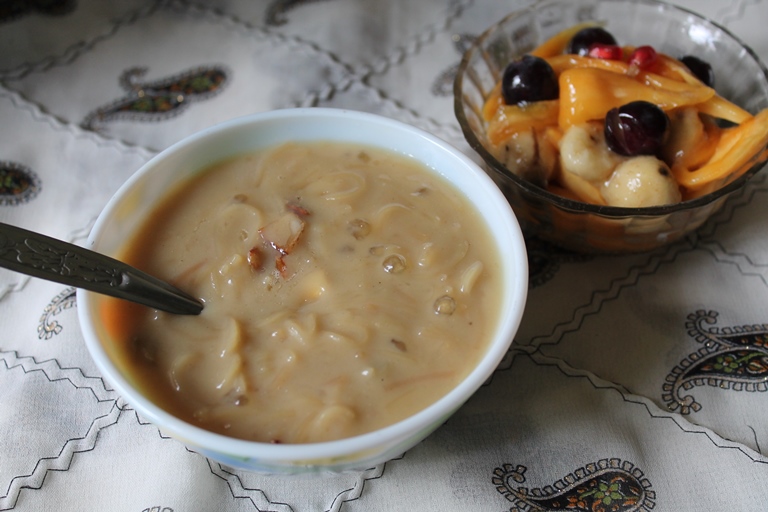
[597, 122]
[345, 289]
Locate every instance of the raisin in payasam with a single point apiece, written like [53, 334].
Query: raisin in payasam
[619, 125]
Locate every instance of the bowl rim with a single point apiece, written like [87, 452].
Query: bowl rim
[572, 205]
[515, 297]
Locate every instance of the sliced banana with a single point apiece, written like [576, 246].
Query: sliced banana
[641, 181]
[583, 152]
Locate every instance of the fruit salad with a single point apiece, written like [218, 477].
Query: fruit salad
[615, 125]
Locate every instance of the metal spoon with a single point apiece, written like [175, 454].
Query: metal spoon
[41, 256]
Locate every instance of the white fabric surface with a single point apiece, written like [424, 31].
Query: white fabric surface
[583, 388]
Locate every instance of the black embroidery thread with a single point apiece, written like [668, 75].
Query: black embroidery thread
[18, 184]
[48, 327]
[159, 99]
[276, 12]
[734, 358]
[609, 485]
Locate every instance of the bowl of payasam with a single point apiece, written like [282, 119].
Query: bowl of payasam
[613, 126]
[360, 277]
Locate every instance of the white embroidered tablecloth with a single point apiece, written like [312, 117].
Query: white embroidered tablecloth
[585, 407]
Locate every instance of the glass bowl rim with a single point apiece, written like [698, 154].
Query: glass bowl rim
[572, 205]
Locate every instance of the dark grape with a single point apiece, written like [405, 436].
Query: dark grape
[581, 42]
[529, 79]
[700, 68]
[637, 128]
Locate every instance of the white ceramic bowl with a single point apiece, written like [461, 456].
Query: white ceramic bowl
[132, 203]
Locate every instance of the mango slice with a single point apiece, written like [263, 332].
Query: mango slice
[588, 94]
[692, 139]
[510, 119]
[561, 63]
[734, 154]
[672, 68]
[720, 108]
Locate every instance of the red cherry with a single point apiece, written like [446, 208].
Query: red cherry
[605, 51]
[642, 58]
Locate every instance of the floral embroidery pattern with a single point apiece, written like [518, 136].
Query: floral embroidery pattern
[731, 358]
[48, 327]
[609, 485]
[544, 261]
[18, 184]
[13, 9]
[160, 99]
[443, 85]
[276, 13]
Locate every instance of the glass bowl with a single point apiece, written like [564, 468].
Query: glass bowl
[739, 77]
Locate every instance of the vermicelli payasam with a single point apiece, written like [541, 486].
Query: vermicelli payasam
[345, 288]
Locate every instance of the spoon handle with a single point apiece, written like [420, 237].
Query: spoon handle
[41, 256]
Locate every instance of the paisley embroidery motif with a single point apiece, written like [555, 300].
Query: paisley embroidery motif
[13, 9]
[731, 358]
[18, 184]
[276, 12]
[609, 485]
[160, 99]
[544, 261]
[443, 85]
[48, 327]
